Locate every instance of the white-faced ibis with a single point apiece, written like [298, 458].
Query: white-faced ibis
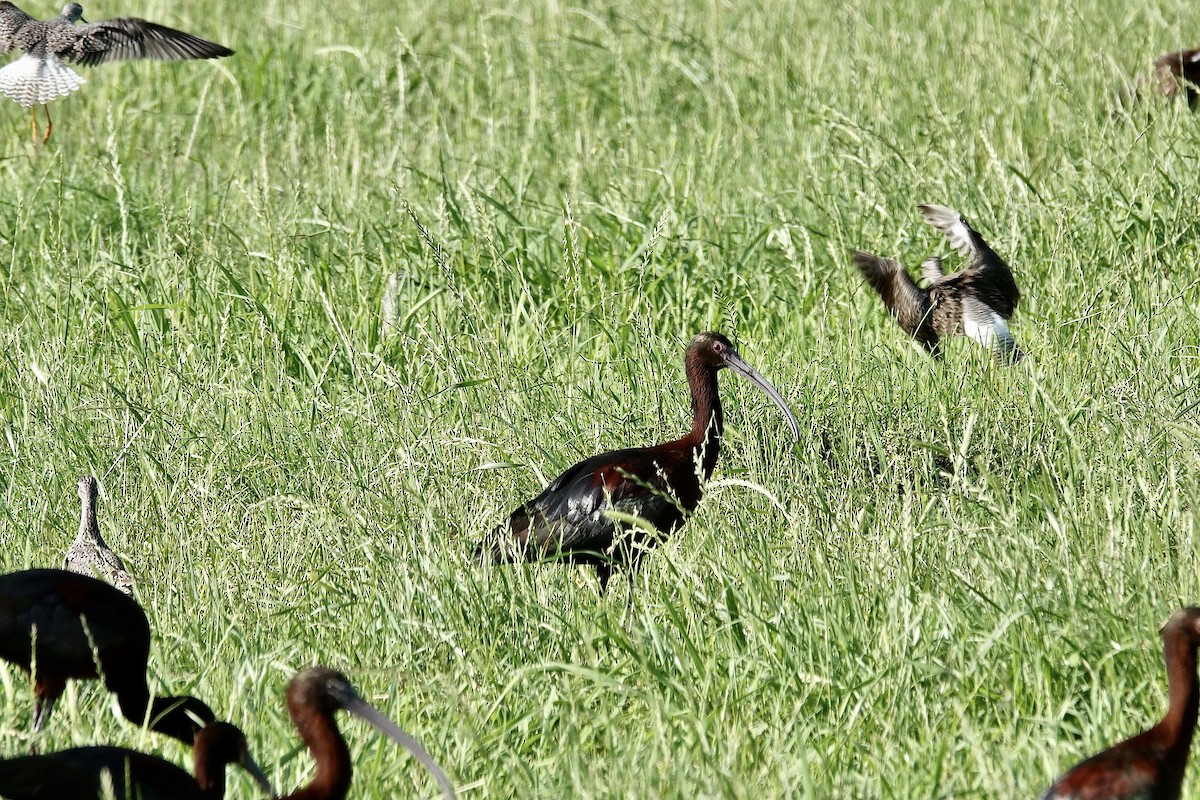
[977, 301]
[82, 773]
[42, 74]
[1150, 765]
[83, 629]
[570, 520]
[312, 697]
[89, 554]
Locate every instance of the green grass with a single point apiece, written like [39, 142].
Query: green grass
[949, 588]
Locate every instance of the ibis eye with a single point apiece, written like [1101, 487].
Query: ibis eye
[718, 347]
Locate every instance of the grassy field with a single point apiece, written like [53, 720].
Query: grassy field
[950, 587]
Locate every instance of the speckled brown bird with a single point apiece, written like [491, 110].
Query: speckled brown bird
[1149, 766]
[42, 74]
[976, 302]
[89, 554]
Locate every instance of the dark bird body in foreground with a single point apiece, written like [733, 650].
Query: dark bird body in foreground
[977, 301]
[42, 74]
[661, 485]
[1149, 766]
[81, 772]
[312, 697]
[46, 606]
[89, 554]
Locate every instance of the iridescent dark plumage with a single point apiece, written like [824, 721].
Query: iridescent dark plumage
[81, 772]
[313, 696]
[1150, 766]
[977, 301]
[661, 485]
[46, 606]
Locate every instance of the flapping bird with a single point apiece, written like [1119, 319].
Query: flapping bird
[1149, 766]
[42, 74]
[976, 302]
[89, 554]
[571, 519]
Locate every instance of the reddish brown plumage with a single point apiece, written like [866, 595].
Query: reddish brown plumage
[1149, 766]
[312, 698]
[47, 604]
[661, 484]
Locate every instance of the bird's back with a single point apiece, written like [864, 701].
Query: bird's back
[93, 557]
[47, 604]
[570, 514]
[79, 773]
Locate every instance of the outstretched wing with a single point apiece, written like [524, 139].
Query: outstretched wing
[992, 279]
[931, 269]
[128, 38]
[909, 303]
[12, 19]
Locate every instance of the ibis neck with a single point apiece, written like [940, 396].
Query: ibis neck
[1180, 722]
[708, 422]
[328, 748]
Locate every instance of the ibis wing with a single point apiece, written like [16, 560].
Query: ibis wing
[78, 772]
[571, 513]
[51, 602]
[44, 778]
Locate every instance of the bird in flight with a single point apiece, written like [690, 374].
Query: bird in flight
[42, 74]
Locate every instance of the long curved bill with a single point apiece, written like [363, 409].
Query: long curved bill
[247, 763]
[364, 710]
[739, 365]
